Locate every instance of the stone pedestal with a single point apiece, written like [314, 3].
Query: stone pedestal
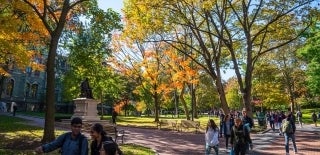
[86, 109]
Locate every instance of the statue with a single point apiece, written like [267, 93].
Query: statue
[85, 89]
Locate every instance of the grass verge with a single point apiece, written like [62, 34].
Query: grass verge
[19, 138]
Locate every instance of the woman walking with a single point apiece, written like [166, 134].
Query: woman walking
[212, 137]
[239, 138]
[227, 125]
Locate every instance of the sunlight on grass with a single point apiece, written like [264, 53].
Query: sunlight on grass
[18, 138]
[132, 149]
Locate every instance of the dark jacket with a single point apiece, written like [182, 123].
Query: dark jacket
[247, 119]
[239, 135]
[95, 149]
[69, 146]
[225, 126]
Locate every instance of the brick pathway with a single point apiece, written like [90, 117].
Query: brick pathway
[178, 143]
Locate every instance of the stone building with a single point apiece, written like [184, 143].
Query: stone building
[28, 88]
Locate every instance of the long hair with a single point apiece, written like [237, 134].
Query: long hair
[226, 117]
[211, 124]
[99, 129]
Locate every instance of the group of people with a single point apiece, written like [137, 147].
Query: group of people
[235, 128]
[284, 123]
[75, 143]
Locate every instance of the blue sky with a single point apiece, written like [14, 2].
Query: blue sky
[116, 5]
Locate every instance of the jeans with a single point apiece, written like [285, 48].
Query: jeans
[208, 149]
[227, 137]
[286, 140]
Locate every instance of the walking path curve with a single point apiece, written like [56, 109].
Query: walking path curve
[181, 143]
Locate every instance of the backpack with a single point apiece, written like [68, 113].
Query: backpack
[287, 127]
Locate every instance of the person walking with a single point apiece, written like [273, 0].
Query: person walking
[227, 126]
[299, 117]
[114, 116]
[239, 138]
[314, 118]
[288, 128]
[14, 108]
[71, 143]
[99, 136]
[247, 122]
[212, 137]
[222, 118]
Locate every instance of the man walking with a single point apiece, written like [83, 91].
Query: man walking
[248, 124]
[288, 129]
[299, 116]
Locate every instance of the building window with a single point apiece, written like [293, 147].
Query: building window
[36, 73]
[10, 86]
[27, 89]
[34, 90]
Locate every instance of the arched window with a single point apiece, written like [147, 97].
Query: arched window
[27, 90]
[34, 90]
[10, 86]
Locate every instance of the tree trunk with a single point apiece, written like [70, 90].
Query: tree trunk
[48, 134]
[184, 104]
[157, 106]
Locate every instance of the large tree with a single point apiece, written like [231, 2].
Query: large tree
[88, 53]
[223, 34]
[19, 39]
[310, 52]
[54, 16]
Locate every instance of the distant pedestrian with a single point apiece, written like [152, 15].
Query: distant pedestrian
[247, 122]
[314, 118]
[14, 108]
[3, 107]
[288, 129]
[227, 126]
[239, 138]
[270, 118]
[281, 117]
[212, 137]
[299, 117]
[221, 117]
[70, 143]
[114, 116]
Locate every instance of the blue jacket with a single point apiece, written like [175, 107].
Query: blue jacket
[68, 145]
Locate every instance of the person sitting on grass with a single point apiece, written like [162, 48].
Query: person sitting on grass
[71, 143]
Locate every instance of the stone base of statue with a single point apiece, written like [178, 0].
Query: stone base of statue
[86, 109]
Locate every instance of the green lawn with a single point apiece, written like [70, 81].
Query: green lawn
[306, 115]
[19, 138]
[148, 122]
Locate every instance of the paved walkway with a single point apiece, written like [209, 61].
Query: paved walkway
[177, 143]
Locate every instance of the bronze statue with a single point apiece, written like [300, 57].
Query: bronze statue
[85, 89]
